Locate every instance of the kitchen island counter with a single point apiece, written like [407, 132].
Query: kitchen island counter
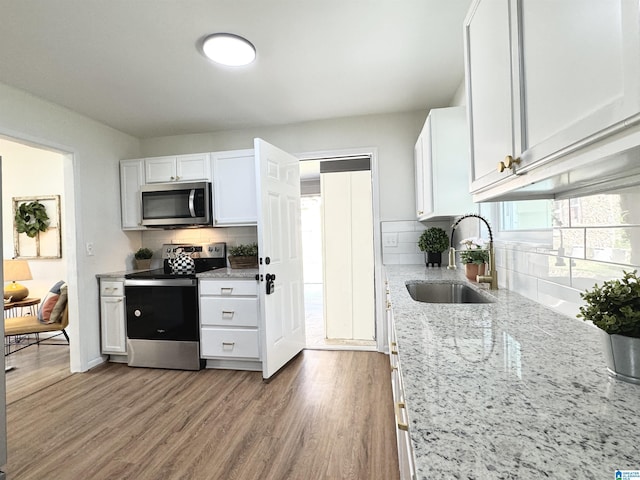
[509, 389]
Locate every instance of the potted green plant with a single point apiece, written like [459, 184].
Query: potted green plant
[474, 257]
[143, 258]
[433, 242]
[614, 308]
[244, 256]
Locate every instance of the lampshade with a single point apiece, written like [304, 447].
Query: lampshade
[16, 270]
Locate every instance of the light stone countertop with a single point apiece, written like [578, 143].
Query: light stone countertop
[239, 273]
[508, 390]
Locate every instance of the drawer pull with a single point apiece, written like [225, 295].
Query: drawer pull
[401, 425]
[227, 314]
[226, 290]
[394, 351]
[228, 346]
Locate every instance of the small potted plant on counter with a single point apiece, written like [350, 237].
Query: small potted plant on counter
[244, 256]
[433, 242]
[474, 257]
[143, 258]
[615, 309]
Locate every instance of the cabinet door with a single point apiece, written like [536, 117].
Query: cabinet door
[193, 167]
[442, 153]
[234, 188]
[160, 169]
[427, 168]
[112, 325]
[131, 178]
[417, 154]
[580, 73]
[488, 51]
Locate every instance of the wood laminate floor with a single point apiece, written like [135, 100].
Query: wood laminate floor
[326, 415]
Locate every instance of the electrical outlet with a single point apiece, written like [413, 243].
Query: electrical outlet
[89, 248]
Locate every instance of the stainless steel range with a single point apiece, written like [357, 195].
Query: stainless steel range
[163, 325]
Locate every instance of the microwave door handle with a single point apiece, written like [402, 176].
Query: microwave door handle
[192, 208]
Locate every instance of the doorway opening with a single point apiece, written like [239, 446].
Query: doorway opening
[338, 252]
[29, 170]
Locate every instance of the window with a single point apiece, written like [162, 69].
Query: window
[526, 215]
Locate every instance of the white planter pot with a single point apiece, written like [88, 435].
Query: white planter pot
[622, 355]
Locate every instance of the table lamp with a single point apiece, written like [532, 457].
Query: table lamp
[15, 270]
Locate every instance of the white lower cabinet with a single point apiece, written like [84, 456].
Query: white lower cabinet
[112, 317]
[406, 460]
[229, 333]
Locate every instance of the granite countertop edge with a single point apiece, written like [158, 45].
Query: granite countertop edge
[510, 389]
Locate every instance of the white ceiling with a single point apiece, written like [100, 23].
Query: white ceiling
[135, 65]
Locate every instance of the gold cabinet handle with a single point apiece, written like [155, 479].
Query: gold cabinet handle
[401, 425]
[394, 351]
[508, 163]
[511, 162]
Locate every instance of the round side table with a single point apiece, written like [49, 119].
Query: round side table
[11, 308]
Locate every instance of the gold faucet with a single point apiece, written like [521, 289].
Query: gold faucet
[492, 275]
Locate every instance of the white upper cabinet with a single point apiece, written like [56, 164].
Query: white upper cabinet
[131, 178]
[545, 80]
[442, 156]
[234, 188]
[180, 168]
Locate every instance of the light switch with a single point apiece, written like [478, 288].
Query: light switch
[89, 249]
[390, 239]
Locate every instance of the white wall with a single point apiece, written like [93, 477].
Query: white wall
[394, 135]
[92, 206]
[29, 171]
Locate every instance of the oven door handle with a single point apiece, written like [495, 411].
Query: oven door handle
[161, 282]
[192, 198]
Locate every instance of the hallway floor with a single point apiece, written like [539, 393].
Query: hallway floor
[315, 330]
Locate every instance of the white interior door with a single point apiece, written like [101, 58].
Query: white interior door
[280, 252]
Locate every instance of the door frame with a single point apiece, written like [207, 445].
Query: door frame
[77, 361]
[372, 153]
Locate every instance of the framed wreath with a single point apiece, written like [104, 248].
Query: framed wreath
[31, 218]
[36, 227]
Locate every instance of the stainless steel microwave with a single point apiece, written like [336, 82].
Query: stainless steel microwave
[176, 204]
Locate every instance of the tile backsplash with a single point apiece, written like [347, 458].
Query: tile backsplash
[154, 239]
[592, 239]
[400, 241]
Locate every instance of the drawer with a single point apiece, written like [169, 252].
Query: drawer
[111, 289]
[229, 287]
[226, 311]
[229, 342]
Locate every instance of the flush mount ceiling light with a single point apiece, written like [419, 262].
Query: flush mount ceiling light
[229, 49]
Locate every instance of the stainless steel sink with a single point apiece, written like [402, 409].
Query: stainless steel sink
[446, 293]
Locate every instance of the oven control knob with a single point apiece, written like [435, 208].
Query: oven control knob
[137, 313]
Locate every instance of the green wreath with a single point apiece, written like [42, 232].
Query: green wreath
[31, 218]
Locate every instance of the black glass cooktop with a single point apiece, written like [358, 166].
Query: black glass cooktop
[161, 273]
